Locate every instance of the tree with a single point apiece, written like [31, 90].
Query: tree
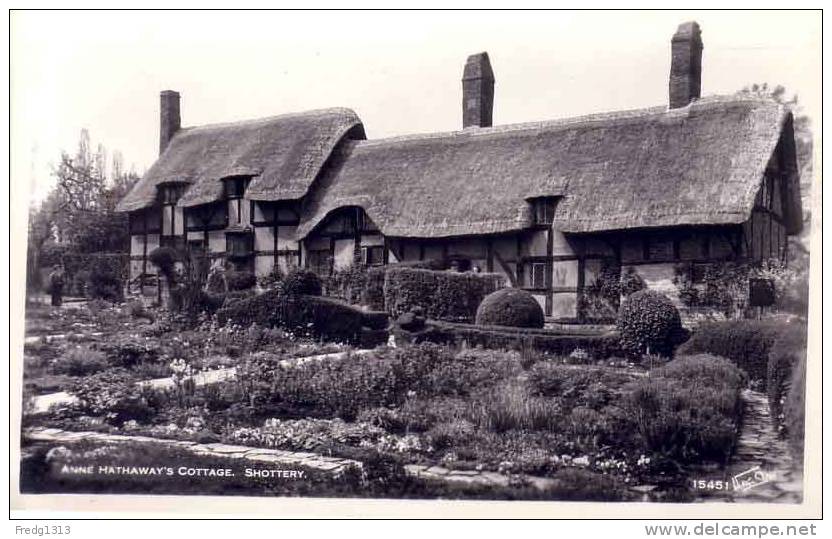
[78, 215]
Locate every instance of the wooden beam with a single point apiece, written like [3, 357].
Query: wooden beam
[512, 278]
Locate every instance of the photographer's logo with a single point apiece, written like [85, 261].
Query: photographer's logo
[751, 478]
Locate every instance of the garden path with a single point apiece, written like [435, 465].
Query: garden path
[762, 469]
[321, 463]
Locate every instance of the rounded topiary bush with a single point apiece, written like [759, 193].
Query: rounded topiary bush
[649, 323]
[164, 258]
[510, 307]
[302, 282]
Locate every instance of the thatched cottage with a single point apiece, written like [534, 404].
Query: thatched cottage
[551, 204]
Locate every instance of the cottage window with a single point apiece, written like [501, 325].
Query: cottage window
[172, 193]
[544, 210]
[372, 256]
[239, 245]
[537, 271]
[235, 187]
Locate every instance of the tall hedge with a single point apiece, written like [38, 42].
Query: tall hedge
[442, 295]
[745, 342]
[318, 316]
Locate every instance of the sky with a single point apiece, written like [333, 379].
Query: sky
[401, 72]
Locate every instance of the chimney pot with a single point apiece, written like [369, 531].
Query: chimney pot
[170, 121]
[685, 65]
[477, 91]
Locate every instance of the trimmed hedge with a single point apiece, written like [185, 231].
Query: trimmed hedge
[795, 409]
[600, 346]
[442, 295]
[745, 342]
[303, 283]
[510, 307]
[321, 317]
[788, 350]
[372, 293]
[649, 323]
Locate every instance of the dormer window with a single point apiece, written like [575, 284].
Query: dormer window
[236, 187]
[170, 193]
[543, 210]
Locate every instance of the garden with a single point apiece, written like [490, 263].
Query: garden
[414, 382]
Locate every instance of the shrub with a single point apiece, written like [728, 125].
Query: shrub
[191, 299]
[236, 295]
[128, 351]
[681, 413]
[271, 280]
[104, 280]
[510, 307]
[511, 407]
[591, 387]
[745, 342]
[472, 370]
[302, 282]
[703, 369]
[165, 259]
[649, 323]
[114, 395]
[240, 280]
[795, 408]
[79, 361]
[442, 295]
[349, 385]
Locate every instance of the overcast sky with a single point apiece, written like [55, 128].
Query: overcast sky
[399, 71]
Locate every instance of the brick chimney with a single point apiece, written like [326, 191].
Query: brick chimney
[477, 91]
[169, 118]
[685, 65]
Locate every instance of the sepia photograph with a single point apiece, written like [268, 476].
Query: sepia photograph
[509, 256]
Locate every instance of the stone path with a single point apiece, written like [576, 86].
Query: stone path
[330, 465]
[762, 469]
[42, 403]
[321, 463]
[471, 477]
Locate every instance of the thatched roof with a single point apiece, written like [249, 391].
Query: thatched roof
[283, 153]
[696, 165]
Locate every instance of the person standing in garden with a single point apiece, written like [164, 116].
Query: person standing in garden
[56, 285]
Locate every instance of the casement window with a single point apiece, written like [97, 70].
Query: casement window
[235, 187]
[239, 244]
[543, 211]
[537, 275]
[372, 256]
[238, 208]
[172, 193]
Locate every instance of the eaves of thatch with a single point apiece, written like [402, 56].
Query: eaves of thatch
[697, 165]
[283, 153]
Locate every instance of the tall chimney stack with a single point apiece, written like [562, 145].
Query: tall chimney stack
[170, 121]
[685, 65]
[477, 91]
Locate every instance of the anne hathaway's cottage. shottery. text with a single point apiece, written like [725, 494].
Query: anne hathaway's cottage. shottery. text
[550, 205]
